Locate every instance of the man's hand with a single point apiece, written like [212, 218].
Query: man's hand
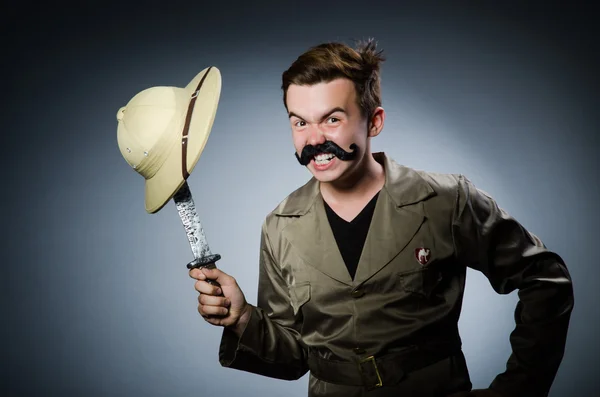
[477, 393]
[224, 306]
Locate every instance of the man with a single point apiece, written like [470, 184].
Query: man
[362, 270]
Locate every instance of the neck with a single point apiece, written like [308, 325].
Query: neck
[366, 180]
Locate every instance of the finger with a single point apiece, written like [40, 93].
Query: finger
[213, 300]
[197, 274]
[205, 288]
[206, 310]
[216, 320]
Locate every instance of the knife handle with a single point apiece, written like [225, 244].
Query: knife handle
[207, 262]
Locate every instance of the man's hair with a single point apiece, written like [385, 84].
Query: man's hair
[329, 61]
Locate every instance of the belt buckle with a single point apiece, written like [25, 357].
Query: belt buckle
[365, 377]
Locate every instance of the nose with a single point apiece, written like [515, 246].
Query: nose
[315, 136]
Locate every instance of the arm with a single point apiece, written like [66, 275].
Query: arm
[268, 344]
[491, 241]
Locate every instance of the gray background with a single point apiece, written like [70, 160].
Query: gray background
[96, 298]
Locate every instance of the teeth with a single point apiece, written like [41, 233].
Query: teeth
[323, 156]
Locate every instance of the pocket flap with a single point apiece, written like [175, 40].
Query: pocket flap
[299, 295]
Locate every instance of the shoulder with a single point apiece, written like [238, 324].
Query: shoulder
[447, 193]
[446, 187]
[408, 185]
[294, 205]
[442, 187]
[456, 193]
[442, 183]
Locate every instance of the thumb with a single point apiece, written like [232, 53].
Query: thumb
[217, 275]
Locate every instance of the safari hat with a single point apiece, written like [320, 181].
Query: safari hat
[163, 130]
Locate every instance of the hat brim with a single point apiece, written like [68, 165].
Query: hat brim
[168, 180]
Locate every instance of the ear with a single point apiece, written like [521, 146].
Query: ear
[376, 122]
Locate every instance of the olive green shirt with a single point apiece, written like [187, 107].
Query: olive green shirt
[307, 301]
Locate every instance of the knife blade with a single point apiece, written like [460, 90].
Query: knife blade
[203, 256]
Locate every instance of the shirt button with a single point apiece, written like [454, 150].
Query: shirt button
[358, 350]
[357, 293]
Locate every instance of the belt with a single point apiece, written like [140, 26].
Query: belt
[375, 371]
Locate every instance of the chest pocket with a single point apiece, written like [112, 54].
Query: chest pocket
[421, 282]
[426, 265]
[299, 295]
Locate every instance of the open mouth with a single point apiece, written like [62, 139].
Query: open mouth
[323, 158]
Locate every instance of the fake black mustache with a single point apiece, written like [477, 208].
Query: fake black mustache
[310, 151]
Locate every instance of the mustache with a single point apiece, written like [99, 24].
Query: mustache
[310, 151]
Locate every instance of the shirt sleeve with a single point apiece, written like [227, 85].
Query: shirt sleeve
[489, 240]
[270, 343]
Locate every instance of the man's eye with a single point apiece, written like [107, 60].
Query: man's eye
[299, 123]
[333, 119]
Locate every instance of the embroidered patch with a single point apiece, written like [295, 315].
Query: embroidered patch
[422, 254]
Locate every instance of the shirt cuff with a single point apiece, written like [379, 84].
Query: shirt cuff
[231, 344]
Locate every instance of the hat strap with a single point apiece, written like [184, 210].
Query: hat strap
[188, 118]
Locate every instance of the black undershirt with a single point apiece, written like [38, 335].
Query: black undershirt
[351, 236]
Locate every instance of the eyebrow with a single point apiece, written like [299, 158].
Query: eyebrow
[329, 113]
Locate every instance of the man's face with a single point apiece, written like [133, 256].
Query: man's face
[328, 112]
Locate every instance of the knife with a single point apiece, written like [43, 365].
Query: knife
[203, 256]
